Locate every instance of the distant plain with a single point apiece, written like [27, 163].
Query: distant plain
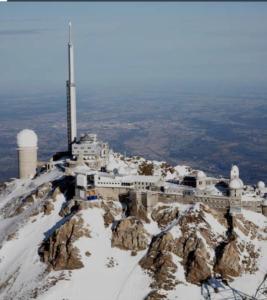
[209, 129]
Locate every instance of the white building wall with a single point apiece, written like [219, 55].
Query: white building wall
[27, 160]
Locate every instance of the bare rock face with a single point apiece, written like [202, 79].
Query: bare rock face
[58, 251]
[197, 269]
[190, 246]
[195, 258]
[247, 228]
[154, 295]
[165, 168]
[249, 261]
[146, 168]
[108, 218]
[129, 234]
[111, 211]
[158, 261]
[228, 261]
[192, 249]
[164, 215]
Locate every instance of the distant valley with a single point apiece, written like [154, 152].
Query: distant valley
[205, 130]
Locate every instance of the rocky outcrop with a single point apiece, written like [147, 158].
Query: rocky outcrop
[165, 168]
[228, 260]
[196, 264]
[246, 227]
[158, 261]
[111, 211]
[129, 234]
[155, 295]
[146, 168]
[164, 215]
[58, 252]
[108, 218]
[189, 245]
[191, 249]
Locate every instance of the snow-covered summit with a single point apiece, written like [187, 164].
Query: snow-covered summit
[53, 247]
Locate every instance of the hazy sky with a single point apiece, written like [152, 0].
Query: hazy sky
[132, 44]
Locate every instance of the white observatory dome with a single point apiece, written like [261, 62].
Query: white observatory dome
[234, 172]
[27, 138]
[201, 175]
[260, 185]
[236, 184]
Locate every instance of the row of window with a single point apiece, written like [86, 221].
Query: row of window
[143, 183]
[207, 182]
[87, 151]
[126, 183]
[112, 183]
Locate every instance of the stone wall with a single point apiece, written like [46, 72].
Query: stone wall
[111, 193]
[150, 198]
[220, 203]
[252, 205]
[264, 210]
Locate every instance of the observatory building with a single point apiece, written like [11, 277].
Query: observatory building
[27, 153]
[236, 184]
[94, 152]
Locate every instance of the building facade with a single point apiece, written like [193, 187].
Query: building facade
[93, 152]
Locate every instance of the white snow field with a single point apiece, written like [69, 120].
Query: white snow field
[126, 280]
